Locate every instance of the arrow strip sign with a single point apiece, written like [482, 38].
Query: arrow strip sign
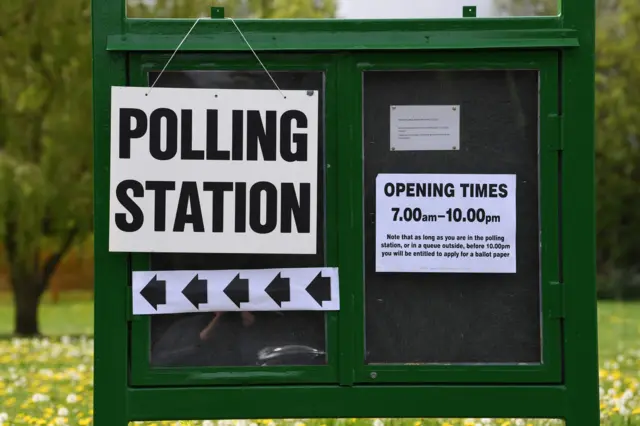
[290, 289]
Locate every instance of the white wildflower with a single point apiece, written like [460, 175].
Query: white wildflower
[38, 397]
[207, 423]
[46, 372]
[63, 411]
[378, 422]
[4, 417]
[71, 398]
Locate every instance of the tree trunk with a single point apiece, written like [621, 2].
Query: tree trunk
[27, 300]
[30, 278]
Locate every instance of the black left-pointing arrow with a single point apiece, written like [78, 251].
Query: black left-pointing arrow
[196, 292]
[238, 290]
[155, 292]
[320, 289]
[279, 289]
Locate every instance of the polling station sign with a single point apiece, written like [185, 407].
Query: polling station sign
[213, 171]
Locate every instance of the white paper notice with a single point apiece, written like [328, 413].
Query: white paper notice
[287, 289]
[213, 171]
[459, 223]
[424, 127]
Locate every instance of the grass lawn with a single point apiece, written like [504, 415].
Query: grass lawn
[50, 381]
[72, 315]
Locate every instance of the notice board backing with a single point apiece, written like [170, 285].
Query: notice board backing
[563, 386]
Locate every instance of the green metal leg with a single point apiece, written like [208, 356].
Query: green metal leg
[583, 416]
[110, 418]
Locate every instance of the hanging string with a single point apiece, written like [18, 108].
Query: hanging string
[243, 37]
[256, 55]
[174, 54]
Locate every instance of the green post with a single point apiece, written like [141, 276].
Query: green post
[514, 342]
[578, 170]
[111, 269]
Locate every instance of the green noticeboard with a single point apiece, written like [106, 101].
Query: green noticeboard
[371, 218]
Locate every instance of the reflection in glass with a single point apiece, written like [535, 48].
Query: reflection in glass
[344, 9]
[433, 9]
[242, 338]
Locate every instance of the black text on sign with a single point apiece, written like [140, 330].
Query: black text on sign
[213, 171]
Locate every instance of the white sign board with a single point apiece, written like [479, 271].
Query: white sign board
[446, 223]
[424, 127]
[213, 171]
[292, 289]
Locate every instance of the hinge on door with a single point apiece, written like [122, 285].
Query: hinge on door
[556, 300]
[556, 138]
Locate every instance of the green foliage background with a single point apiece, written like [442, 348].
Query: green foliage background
[268, 9]
[617, 139]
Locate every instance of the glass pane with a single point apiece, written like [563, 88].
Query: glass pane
[433, 9]
[456, 317]
[247, 338]
[349, 9]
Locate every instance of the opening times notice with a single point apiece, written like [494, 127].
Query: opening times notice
[446, 223]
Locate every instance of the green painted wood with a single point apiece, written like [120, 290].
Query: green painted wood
[469, 11]
[219, 36]
[348, 402]
[578, 270]
[111, 269]
[550, 370]
[349, 222]
[217, 12]
[562, 47]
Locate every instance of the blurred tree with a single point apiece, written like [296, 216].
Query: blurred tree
[617, 139]
[618, 145]
[45, 143]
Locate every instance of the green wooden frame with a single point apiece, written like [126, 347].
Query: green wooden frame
[126, 390]
[141, 372]
[550, 369]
